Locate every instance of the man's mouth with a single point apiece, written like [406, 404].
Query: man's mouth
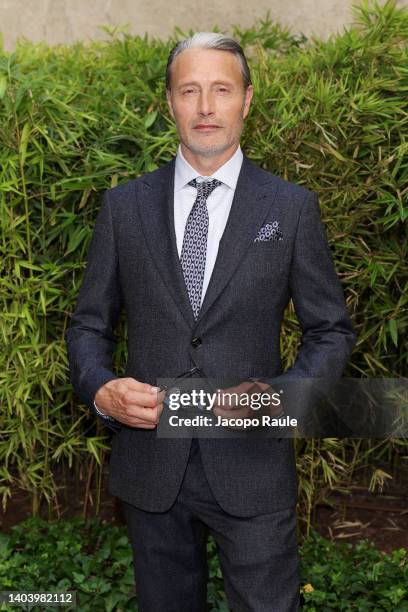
[206, 127]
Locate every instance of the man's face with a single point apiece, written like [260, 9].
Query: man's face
[208, 101]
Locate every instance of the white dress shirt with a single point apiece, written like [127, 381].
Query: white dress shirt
[218, 205]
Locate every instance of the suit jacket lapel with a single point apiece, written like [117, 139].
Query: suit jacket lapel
[253, 198]
[157, 218]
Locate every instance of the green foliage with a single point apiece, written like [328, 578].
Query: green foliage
[95, 559]
[340, 576]
[90, 557]
[75, 120]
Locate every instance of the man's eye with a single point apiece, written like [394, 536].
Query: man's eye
[188, 91]
[222, 89]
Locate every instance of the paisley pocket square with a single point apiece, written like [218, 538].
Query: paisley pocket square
[269, 231]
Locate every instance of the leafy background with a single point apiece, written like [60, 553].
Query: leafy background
[75, 120]
[94, 559]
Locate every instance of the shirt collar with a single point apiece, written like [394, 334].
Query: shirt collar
[227, 173]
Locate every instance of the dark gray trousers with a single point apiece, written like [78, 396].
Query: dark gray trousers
[258, 555]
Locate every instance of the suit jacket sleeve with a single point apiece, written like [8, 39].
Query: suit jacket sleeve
[90, 337]
[327, 333]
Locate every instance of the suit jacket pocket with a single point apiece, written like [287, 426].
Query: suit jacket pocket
[270, 254]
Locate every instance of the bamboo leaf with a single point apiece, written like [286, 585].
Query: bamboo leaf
[3, 86]
[22, 149]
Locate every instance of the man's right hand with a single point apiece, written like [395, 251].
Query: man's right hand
[131, 402]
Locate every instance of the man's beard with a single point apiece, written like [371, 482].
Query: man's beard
[207, 151]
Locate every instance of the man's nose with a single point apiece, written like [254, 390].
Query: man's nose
[206, 104]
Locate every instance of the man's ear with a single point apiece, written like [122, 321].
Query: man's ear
[248, 97]
[169, 104]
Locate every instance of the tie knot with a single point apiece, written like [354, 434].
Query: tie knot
[204, 188]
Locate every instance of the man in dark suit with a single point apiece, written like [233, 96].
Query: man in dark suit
[204, 254]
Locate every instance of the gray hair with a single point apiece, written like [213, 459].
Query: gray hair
[210, 40]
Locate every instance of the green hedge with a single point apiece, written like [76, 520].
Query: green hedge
[75, 120]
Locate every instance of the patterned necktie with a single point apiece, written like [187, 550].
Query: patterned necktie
[194, 249]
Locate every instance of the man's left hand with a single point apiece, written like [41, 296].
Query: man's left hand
[238, 402]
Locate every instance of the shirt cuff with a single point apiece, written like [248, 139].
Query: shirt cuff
[104, 416]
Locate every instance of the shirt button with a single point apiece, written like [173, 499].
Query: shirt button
[196, 342]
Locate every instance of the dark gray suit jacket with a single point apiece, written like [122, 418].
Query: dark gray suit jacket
[133, 264]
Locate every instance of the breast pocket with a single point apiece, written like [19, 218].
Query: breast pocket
[269, 256]
[265, 266]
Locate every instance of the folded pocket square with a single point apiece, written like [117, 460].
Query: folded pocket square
[269, 231]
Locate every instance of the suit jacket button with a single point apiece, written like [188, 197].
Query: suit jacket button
[196, 342]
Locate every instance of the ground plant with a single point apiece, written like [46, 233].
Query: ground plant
[94, 559]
